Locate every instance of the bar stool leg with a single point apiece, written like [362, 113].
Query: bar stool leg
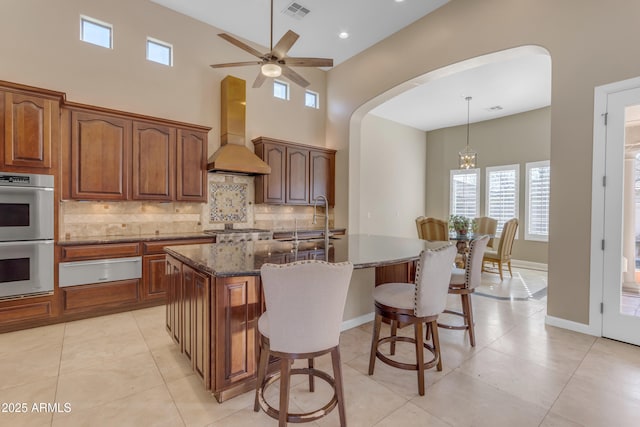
[394, 331]
[468, 318]
[262, 372]
[436, 343]
[419, 356]
[374, 342]
[311, 382]
[285, 373]
[337, 377]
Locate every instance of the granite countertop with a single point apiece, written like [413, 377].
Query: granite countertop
[128, 239]
[246, 258]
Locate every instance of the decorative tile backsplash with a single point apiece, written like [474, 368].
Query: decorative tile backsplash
[228, 202]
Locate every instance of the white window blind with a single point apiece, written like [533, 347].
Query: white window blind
[502, 193]
[537, 212]
[464, 190]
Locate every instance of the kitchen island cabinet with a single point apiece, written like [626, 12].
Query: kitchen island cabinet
[230, 298]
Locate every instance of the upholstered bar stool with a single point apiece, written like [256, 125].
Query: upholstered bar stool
[464, 282]
[305, 303]
[414, 303]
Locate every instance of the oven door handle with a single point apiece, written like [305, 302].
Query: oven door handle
[23, 189]
[26, 242]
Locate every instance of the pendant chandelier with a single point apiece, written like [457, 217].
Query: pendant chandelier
[467, 158]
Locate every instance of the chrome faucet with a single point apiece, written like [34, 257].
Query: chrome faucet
[326, 217]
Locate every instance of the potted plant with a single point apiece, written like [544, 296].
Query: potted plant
[460, 224]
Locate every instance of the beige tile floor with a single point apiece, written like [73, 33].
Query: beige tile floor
[124, 370]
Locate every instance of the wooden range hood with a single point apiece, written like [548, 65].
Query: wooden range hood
[233, 156]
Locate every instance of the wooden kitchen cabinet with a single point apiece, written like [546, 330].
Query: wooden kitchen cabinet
[191, 166]
[154, 286]
[236, 313]
[100, 156]
[322, 174]
[30, 129]
[271, 188]
[299, 173]
[174, 299]
[297, 178]
[153, 172]
[215, 321]
[198, 297]
[115, 155]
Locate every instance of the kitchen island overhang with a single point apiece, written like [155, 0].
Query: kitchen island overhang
[215, 295]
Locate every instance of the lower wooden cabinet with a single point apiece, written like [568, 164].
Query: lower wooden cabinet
[103, 295]
[236, 312]
[215, 322]
[174, 299]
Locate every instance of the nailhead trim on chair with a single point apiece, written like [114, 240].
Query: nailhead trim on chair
[419, 273]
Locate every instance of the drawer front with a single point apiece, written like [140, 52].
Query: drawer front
[98, 271]
[76, 253]
[79, 298]
[20, 313]
[158, 247]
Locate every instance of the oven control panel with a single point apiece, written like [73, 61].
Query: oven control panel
[15, 179]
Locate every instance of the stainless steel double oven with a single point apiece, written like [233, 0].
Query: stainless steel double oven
[26, 234]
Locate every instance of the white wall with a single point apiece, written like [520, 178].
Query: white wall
[393, 176]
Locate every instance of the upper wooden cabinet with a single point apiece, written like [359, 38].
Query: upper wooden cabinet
[29, 127]
[113, 155]
[299, 173]
[154, 149]
[192, 166]
[100, 156]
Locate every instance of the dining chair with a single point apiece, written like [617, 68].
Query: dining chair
[432, 229]
[502, 255]
[486, 225]
[304, 305]
[414, 304]
[464, 282]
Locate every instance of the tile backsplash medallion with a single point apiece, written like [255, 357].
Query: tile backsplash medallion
[231, 201]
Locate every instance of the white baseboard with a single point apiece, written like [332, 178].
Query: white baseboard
[360, 320]
[528, 265]
[572, 326]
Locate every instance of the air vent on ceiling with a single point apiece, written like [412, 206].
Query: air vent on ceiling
[495, 108]
[296, 10]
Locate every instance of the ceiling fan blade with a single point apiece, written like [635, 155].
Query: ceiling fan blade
[284, 44]
[235, 64]
[259, 80]
[309, 62]
[293, 76]
[234, 41]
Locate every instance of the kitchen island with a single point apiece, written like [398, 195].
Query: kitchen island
[215, 295]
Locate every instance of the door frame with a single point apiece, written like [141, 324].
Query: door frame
[596, 276]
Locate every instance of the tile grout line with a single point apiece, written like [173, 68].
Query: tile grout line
[570, 378]
[155, 362]
[55, 395]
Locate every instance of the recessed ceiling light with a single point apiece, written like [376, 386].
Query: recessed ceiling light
[343, 35]
[399, 1]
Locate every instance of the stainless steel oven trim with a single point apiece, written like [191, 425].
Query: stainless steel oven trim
[41, 213]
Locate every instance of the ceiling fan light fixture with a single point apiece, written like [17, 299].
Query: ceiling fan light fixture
[271, 70]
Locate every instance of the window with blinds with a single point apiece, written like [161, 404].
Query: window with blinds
[464, 190]
[537, 211]
[502, 193]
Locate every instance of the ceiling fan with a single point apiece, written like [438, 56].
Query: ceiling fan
[276, 62]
